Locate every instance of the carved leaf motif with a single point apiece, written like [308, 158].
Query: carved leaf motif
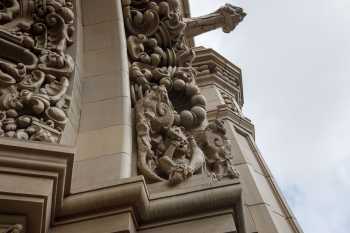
[35, 69]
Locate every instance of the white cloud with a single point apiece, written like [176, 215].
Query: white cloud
[295, 57]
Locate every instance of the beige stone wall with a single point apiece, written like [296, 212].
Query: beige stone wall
[261, 199]
[104, 139]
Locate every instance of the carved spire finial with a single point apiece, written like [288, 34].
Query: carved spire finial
[227, 17]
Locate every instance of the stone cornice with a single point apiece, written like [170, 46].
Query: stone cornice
[214, 68]
[150, 207]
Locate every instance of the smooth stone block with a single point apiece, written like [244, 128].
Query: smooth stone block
[106, 141]
[100, 172]
[99, 11]
[102, 61]
[101, 36]
[106, 113]
[105, 86]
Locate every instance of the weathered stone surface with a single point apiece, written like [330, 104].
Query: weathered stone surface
[227, 17]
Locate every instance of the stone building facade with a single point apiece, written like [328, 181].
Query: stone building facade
[112, 120]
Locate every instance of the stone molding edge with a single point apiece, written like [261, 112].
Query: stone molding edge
[40, 161]
[37, 159]
[134, 193]
[38, 156]
[271, 180]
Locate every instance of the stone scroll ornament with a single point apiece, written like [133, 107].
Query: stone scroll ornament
[174, 139]
[34, 68]
[17, 228]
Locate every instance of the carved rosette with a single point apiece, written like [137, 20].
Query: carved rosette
[34, 68]
[169, 108]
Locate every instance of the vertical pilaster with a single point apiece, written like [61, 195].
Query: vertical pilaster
[104, 140]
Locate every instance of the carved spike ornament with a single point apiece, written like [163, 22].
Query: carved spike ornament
[174, 138]
[35, 68]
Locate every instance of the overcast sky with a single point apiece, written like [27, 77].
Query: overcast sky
[295, 58]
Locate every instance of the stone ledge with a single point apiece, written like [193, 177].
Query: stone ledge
[150, 208]
[37, 175]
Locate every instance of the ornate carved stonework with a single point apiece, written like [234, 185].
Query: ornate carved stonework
[174, 139]
[17, 228]
[231, 102]
[166, 150]
[217, 149]
[34, 68]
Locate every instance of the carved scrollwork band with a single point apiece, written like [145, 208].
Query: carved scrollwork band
[174, 138]
[35, 68]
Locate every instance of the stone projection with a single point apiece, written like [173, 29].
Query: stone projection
[34, 68]
[174, 138]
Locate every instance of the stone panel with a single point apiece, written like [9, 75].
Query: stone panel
[242, 148]
[101, 61]
[100, 36]
[263, 219]
[100, 172]
[217, 224]
[105, 86]
[99, 11]
[117, 223]
[269, 222]
[112, 140]
[106, 113]
[257, 188]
